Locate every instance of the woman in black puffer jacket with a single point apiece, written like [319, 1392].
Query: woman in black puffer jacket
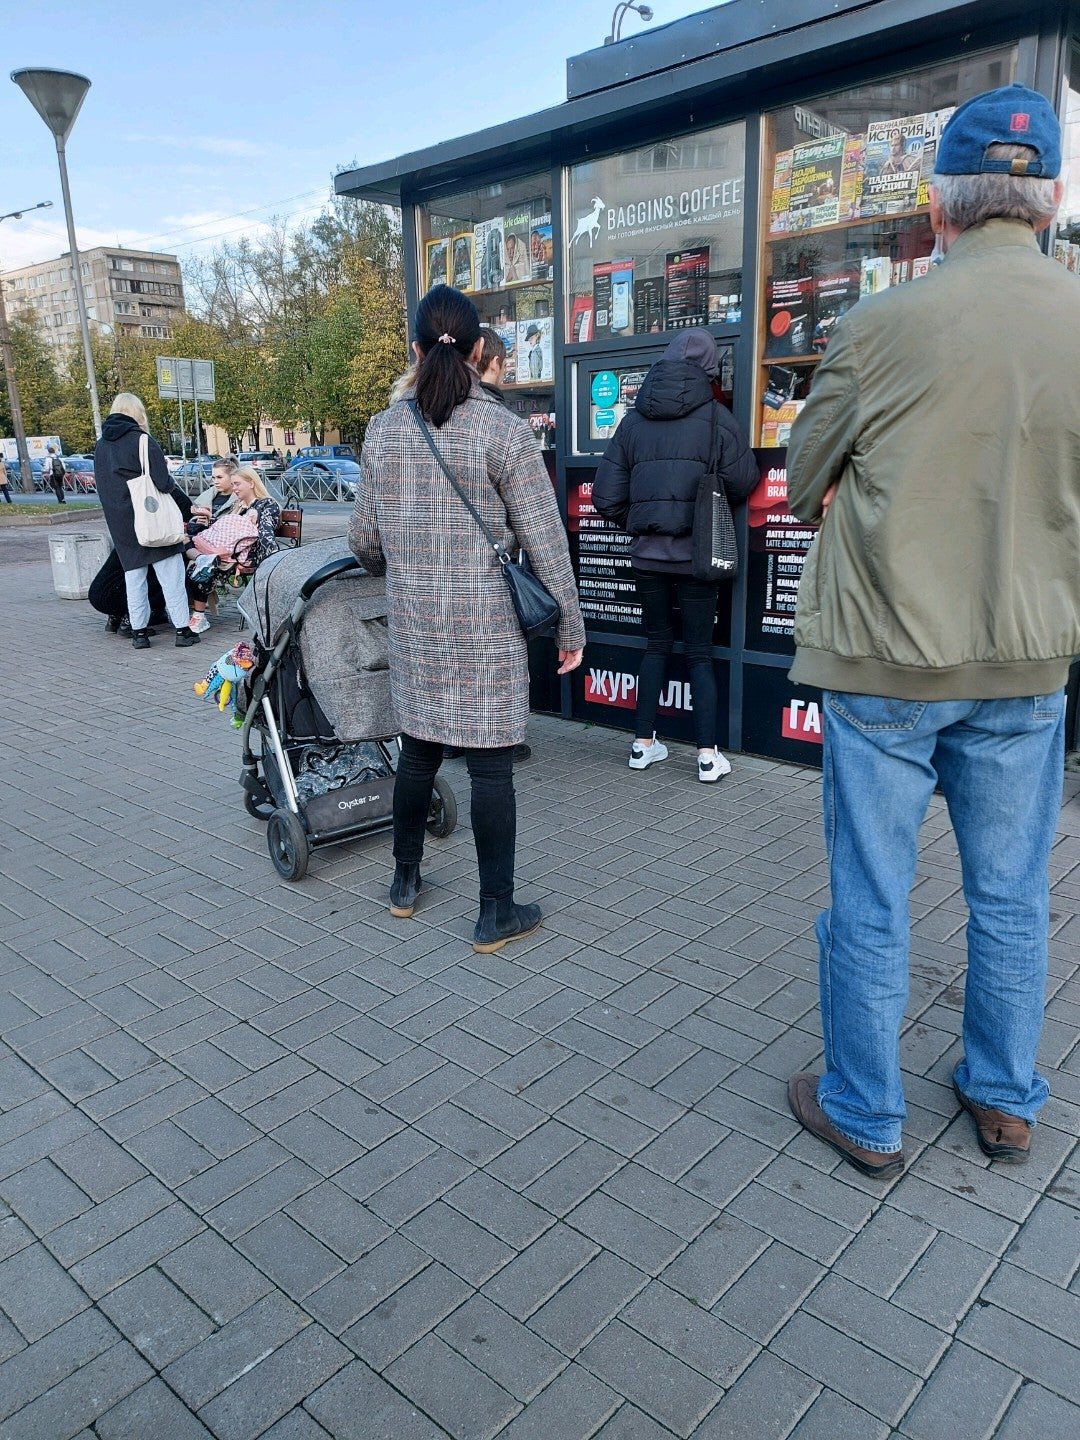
[647, 483]
[116, 461]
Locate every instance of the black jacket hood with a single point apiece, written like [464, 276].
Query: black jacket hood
[672, 389]
[116, 426]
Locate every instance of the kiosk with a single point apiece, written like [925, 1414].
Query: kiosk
[757, 169]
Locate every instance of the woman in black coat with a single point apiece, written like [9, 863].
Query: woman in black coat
[646, 484]
[116, 461]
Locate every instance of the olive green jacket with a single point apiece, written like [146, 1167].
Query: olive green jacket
[947, 411]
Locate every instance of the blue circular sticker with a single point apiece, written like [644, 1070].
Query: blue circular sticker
[605, 387]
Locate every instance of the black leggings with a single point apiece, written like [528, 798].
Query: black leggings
[494, 809]
[697, 605]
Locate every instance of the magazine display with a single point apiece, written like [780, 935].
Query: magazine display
[789, 317]
[936, 120]
[835, 292]
[776, 424]
[507, 333]
[489, 255]
[851, 177]
[461, 267]
[814, 196]
[535, 350]
[435, 262]
[893, 166]
[517, 254]
[781, 193]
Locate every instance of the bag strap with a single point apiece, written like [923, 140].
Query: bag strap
[504, 558]
[144, 453]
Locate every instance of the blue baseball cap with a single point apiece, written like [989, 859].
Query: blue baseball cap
[1013, 115]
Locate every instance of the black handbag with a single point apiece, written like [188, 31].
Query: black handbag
[715, 553]
[536, 610]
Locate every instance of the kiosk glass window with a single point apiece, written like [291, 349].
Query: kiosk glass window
[495, 242]
[655, 237]
[1066, 248]
[846, 212]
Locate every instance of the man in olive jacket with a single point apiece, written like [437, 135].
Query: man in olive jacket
[939, 612]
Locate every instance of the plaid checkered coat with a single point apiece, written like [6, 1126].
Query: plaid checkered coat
[459, 669]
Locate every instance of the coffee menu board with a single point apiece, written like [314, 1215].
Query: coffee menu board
[600, 553]
[778, 546]
[686, 274]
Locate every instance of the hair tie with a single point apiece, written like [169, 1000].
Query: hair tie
[446, 340]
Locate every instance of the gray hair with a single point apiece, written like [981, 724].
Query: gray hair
[969, 200]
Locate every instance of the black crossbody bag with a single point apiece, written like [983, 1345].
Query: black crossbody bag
[536, 610]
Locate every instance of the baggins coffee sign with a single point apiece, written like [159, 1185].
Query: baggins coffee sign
[704, 204]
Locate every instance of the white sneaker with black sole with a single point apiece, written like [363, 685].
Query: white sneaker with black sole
[642, 756]
[712, 767]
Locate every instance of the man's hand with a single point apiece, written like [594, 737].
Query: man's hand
[827, 499]
[569, 660]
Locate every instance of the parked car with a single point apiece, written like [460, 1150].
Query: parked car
[194, 471]
[321, 479]
[269, 465]
[174, 462]
[325, 452]
[79, 474]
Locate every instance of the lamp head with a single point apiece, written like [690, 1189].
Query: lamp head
[57, 96]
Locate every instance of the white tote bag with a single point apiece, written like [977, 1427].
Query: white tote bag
[158, 520]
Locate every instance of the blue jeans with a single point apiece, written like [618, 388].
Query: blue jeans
[999, 764]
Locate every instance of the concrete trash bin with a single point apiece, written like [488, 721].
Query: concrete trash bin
[76, 559]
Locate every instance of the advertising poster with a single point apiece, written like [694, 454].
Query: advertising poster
[780, 718]
[600, 553]
[613, 298]
[789, 319]
[686, 282]
[612, 393]
[776, 553]
[605, 691]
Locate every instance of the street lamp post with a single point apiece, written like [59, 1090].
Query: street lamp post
[25, 473]
[57, 96]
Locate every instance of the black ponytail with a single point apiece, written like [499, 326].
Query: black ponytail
[447, 328]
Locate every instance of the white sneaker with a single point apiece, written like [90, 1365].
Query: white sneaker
[198, 622]
[712, 766]
[641, 757]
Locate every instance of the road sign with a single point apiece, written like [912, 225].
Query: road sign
[183, 379]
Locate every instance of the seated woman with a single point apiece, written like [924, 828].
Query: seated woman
[252, 502]
[217, 497]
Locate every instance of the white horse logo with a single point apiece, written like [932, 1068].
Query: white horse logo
[589, 224]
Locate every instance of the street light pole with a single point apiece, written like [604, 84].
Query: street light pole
[57, 96]
[26, 475]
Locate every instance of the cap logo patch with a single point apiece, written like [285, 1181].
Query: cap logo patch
[1020, 121]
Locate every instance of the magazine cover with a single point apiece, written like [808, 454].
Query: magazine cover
[788, 317]
[581, 319]
[816, 170]
[781, 193]
[435, 255]
[835, 292]
[875, 274]
[461, 265]
[936, 120]
[541, 247]
[507, 333]
[648, 306]
[535, 350]
[516, 251]
[776, 424]
[893, 166]
[488, 260]
[851, 177]
[686, 286]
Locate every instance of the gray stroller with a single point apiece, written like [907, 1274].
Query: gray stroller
[318, 731]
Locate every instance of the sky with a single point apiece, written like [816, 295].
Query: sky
[207, 118]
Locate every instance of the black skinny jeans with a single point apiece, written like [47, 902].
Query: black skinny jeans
[494, 809]
[657, 595]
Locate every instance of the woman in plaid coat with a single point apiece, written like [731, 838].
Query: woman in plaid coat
[459, 672]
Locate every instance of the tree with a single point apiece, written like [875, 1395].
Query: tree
[35, 375]
[381, 354]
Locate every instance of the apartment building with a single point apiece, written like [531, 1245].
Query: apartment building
[139, 291]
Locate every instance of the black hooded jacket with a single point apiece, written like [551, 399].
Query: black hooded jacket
[648, 479]
[116, 461]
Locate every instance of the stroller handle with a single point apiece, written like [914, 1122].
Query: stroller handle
[328, 572]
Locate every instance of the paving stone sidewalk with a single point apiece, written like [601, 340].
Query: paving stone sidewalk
[275, 1164]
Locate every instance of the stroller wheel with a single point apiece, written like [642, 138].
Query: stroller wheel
[255, 810]
[442, 817]
[288, 845]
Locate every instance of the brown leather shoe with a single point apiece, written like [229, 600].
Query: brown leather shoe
[802, 1097]
[1001, 1136]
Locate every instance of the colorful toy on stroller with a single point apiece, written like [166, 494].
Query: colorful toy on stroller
[318, 730]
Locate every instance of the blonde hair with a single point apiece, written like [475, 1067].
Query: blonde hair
[403, 385]
[131, 406]
[254, 479]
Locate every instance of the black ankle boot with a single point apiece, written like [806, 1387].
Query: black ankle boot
[501, 920]
[404, 888]
[113, 623]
